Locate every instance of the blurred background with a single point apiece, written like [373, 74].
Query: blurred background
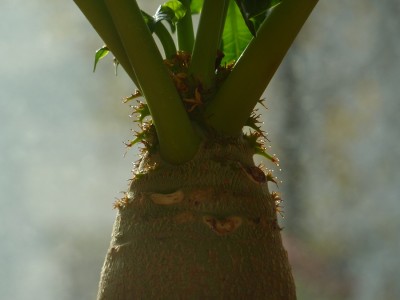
[333, 119]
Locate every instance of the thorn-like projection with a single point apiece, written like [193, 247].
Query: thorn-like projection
[272, 178]
[135, 95]
[147, 136]
[122, 202]
[141, 110]
[255, 174]
[276, 197]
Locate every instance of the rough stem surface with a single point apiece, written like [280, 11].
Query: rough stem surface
[201, 230]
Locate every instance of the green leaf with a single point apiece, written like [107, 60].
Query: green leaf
[195, 6]
[236, 35]
[171, 11]
[254, 12]
[100, 54]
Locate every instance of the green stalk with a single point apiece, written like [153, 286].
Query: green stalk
[177, 138]
[184, 30]
[207, 42]
[254, 70]
[163, 35]
[165, 39]
[97, 14]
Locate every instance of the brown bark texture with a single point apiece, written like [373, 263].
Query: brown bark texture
[206, 229]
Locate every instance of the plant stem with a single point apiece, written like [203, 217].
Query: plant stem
[97, 14]
[208, 38]
[165, 39]
[254, 70]
[184, 29]
[177, 138]
[163, 35]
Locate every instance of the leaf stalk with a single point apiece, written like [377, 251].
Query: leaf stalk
[97, 14]
[255, 68]
[177, 138]
[184, 29]
[207, 42]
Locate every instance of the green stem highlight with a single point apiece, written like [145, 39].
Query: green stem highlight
[177, 138]
[163, 35]
[184, 30]
[207, 42]
[254, 69]
[97, 14]
[166, 40]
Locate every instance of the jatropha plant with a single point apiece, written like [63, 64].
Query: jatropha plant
[198, 220]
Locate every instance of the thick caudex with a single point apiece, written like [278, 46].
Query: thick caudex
[198, 221]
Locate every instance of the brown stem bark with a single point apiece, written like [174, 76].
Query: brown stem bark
[202, 230]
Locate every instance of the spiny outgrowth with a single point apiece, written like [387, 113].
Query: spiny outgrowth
[276, 197]
[193, 94]
[141, 111]
[135, 95]
[195, 98]
[147, 136]
[259, 174]
[257, 142]
[141, 168]
[255, 124]
[270, 177]
[122, 202]
[255, 174]
[190, 89]
[256, 137]
[147, 133]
